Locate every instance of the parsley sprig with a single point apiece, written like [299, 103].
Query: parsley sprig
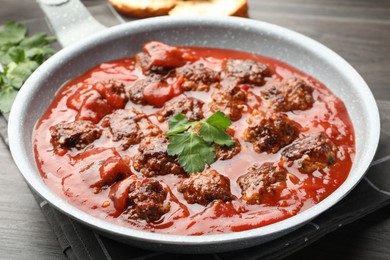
[193, 145]
[19, 57]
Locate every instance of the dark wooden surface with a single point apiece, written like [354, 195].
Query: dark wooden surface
[359, 30]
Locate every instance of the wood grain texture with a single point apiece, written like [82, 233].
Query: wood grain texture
[24, 231]
[358, 30]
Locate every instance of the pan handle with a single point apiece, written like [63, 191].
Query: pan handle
[70, 20]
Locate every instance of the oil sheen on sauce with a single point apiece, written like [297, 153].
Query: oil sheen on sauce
[67, 176]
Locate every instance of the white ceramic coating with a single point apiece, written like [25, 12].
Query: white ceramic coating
[229, 33]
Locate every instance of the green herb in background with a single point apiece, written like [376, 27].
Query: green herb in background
[19, 57]
[194, 146]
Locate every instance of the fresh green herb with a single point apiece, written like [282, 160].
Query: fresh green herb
[214, 129]
[19, 57]
[192, 151]
[193, 145]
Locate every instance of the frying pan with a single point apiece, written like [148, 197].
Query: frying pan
[230, 33]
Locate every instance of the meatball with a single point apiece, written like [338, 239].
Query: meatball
[114, 92]
[311, 153]
[135, 91]
[190, 107]
[152, 158]
[231, 100]
[226, 152]
[197, 76]
[77, 134]
[262, 183]
[93, 107]
[205, 187]
[89, 103]
[144, 199]
[145, 62]
[246, 71]
[129, 126]
[290, 94]
[159, 58]
[270, 132]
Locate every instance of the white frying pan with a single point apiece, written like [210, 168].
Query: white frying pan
[230, 33]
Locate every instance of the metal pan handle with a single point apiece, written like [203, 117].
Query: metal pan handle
[70, 20]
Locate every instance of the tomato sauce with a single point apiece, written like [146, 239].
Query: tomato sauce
[74, 174]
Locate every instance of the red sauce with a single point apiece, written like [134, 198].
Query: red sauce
[73, 173]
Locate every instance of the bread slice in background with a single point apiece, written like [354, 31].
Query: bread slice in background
[211, 8]
[149, 8]
[143, 8]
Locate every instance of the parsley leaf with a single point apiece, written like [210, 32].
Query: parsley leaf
[178, 124]
[12, 33]
[17, 73]
[17, 54]
[7, 96]
[19, 57]
[36, 40]
[214, 129]
[193, 148]
[192, 151]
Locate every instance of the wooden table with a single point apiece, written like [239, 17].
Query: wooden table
[359, 30]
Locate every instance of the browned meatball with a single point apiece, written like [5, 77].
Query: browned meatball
[145, 62]
[135, 91]
[262, 183]
[159, 58]
[129, 126]
[75, 134]
[190, 107]
[205, 187]
[197, 76]
[311, 153]
[290, 94]
[270, 132]
[231, 100]
[152, 158]
[114, 92]
[144, 199]
[225, 152]
[93, 107]
[246, 71]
